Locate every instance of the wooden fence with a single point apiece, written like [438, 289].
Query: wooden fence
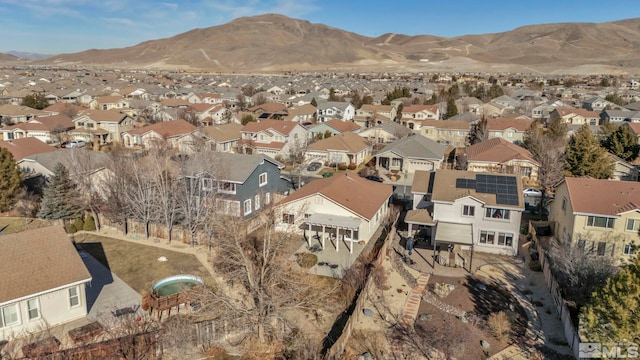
[570, 331]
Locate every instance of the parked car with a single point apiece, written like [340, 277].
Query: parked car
[533, 192]
[76, 144]
[63, 144]
[314, 166]
[374, 178]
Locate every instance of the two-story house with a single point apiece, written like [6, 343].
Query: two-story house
[330, 128]
[370, 115]
[510, 129]
[414, 115]
[48, 129]
[109, 102]
[385, 133]
[449, 132]
[500, 156]
[341, 210]
[335, 110]
[467, 211]
[275, 138]
[574, 116]
[409, 154]
[345, 148]
[178, 134]
[222, 138]
[101, 126]
[43, 281]
[602, 217]
[618, 116]
[14, 114]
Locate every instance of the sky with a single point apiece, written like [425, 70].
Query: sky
[64, 26]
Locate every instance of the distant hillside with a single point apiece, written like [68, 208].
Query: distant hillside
[8, 58]
[29, 56]
[276, 42]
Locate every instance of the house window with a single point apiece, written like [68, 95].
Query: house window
[256, 200]
[247, 207]
[602, 248]
[487, 237]
[505, 239]
[9, 315]
[469, 210]
[74, 297]
[564, 203]
[288, 218]
[80, 124]
[593, 122]
[207, 184]
[90, 125]
[494, 213]
[633, 224]
[267, 198]
[509, 134]
[629, 249]
[600, 221]
[396, 162]
[32, 309]
[525, 171]
[227, 187]
[263, 179]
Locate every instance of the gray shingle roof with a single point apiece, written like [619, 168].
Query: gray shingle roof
[416, 146]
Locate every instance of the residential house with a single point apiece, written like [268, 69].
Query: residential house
[466, 211]
[222, 138]
[385, 133]
[510, 129]
[542, 111]
[109, 102]
[498, 155]
[448, 132]
[272, 110]
[275, 138]
[43, 282]
[346, 148]
[177, 134]
[343, 209]
[245, 184]
[596, 104]
[602, 217]
[634, 128]
[209, 114]
[14, 114]
[303, 115]
[622, 170]
[414, 115]
[335, 110]
[574, 116]
[371, 115]
[101, 126]
[330, 128]
[410, 154]
[494, 109]
[21, 148]
[469, 104]
[618, 116]
[204, 98]
[47, 129]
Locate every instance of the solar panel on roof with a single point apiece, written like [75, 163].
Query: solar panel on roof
[465, 184]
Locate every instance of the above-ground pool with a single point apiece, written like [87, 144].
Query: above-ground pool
[173, 284]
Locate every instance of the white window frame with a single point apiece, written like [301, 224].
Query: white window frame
[207, 184]
[635, 225]
[468, 210]
[75, 296]
[256, 201]
[262, 182]
[609, 222]
[247, 207]
[267, 198]
[288, 218]
[629, 250]
[484, 237]
[232, 187]
[497, 214]
[4, 314]
[36, 307]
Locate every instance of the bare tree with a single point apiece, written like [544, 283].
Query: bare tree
[114, 199]
[140, 193]
[166, 189]
[189, 114]
[479, 131]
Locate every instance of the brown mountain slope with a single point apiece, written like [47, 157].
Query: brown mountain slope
[8, 59]
[276, 42]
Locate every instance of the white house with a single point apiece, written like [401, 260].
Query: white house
[43, 281]
[338, 210]
[335, 110]
[469, 211]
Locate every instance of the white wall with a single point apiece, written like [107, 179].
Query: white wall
[54, 310]
[453, 213]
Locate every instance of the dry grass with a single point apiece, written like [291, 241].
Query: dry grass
[12, 225]
[138, 264]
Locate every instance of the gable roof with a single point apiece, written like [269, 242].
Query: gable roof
[417, 147]
[21, 148]
[240, 166]
[342, 126]
[444, 188]
[602, 197]
[505, 123]
[68, 157]
[362, 196]
[112, 115]
[166, 129]
[282, 127]
[348, 141]
[36, 261]
[46, 123]
[497, 150]
[222, 133]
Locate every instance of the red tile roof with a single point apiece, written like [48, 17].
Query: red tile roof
[603, 197]
[342, 126]
[21, 148]
[497, 150]
[505, 123]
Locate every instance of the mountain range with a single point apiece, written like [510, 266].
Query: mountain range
[272, 43]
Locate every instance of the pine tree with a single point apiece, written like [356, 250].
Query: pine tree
[585, 156]
[452, 109]
[60, 197]
[612, 314]
[622, 143]
[10, 180]
[35, 101]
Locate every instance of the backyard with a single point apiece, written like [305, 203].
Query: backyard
[138, 264]
[12, 225]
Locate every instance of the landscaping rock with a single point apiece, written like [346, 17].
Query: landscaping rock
[424, 317]
[367, 312]
[366, 356]
[485, 345]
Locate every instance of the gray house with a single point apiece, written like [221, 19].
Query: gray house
[409, 154]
